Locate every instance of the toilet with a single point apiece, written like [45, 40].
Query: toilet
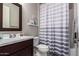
[39, 49]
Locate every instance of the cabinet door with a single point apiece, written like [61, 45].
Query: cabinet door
[28, 51]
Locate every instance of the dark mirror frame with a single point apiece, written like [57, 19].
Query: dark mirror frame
[20, 18]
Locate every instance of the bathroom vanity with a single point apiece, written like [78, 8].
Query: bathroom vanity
[20, 47]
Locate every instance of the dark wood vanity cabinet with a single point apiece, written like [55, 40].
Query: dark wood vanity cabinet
[24, 52]
[24, 48]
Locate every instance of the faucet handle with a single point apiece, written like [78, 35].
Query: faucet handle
[0, 37]
[12, 35]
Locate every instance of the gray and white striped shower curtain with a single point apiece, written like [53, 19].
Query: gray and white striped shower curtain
[54, 27]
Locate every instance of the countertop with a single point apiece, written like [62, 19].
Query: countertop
[4, 42]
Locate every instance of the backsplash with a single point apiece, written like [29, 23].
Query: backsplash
[10, 35]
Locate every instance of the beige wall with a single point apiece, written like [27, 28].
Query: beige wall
[71, 26]
[28, 9]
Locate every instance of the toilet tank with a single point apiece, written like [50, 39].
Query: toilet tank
[36, 41]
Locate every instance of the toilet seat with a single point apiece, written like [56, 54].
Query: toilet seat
[42, 48]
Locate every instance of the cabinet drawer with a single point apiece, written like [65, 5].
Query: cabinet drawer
[9, 49]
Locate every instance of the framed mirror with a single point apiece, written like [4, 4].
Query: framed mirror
[10, 17]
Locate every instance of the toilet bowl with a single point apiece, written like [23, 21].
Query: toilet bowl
[41, 49]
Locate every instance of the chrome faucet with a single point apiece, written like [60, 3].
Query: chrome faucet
[12, 35]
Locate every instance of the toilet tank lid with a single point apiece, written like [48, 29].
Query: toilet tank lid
[42, 46]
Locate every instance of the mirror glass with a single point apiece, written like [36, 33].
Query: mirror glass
[10, 16]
